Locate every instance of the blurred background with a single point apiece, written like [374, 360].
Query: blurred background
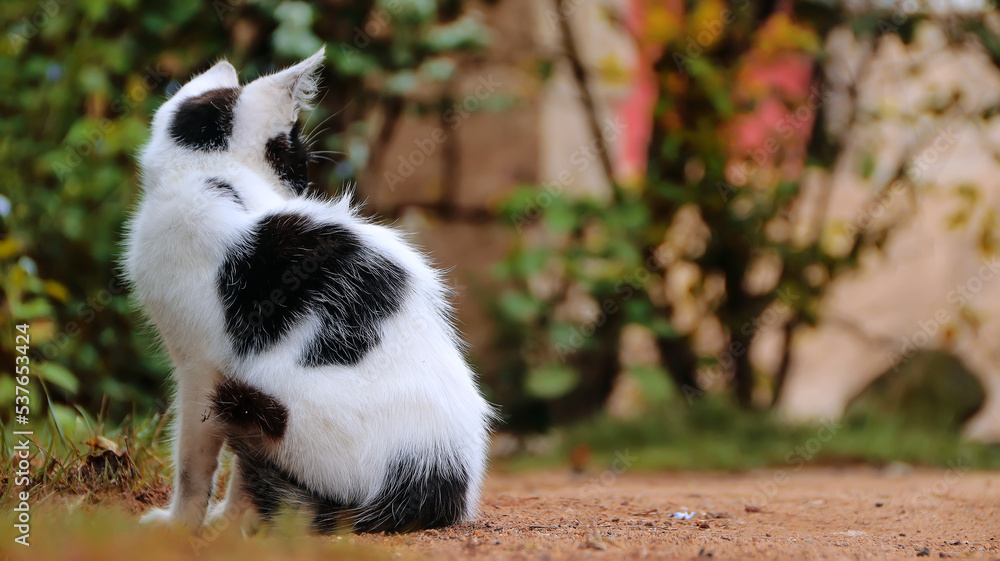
[698, 232]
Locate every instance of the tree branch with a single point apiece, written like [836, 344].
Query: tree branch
[586, 97]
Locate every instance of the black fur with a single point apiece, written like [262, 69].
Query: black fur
[289, 158]
[217, 184]
[246, 410]
[291, 265]
[267, 485]
[205, 122]
[412, 499]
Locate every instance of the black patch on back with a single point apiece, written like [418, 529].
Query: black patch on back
[291, 266]
[245, 409]
[412, 498]
[289, 158]
[205, 122]
[223, 187]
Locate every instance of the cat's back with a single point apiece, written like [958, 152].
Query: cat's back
[185, 224]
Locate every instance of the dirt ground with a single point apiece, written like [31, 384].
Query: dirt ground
[829, 513]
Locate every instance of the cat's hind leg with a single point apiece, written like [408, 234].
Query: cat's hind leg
[236, 509]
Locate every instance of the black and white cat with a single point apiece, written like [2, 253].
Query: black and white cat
[318, 346]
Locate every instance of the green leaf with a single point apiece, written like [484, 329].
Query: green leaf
[437, 69]
[661, 327]
[531, 261]
[519, 306]
[298, 14]
[654, 381]
[295, 42]
[401, 83]
[550, 382]
[560, 218]
[7, 387]
[463, 34]
[59, 375]
[867, 165]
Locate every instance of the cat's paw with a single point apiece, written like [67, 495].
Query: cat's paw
[158, 517]
[165, 517]
[225, 515]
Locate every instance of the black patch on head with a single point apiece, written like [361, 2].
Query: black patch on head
[413, 498]
[245, 409]
[289, 158]
[226, 189]
[205, 122]
[290, 266]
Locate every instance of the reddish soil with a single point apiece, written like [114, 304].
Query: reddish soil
[830, 513]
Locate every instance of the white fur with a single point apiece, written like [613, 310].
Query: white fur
[413, 391]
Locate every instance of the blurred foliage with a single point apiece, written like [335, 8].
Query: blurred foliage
[931, 391]
[912, 415]
[714, 433]
[81, 81]
[738, 125]
[603, 258]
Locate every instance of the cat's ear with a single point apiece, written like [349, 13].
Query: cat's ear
[220, 75]
[223, 71]
[294, 88]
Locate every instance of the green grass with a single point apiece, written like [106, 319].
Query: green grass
[714, 434]
[85, 457]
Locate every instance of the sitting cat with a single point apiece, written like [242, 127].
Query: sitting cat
[317, 345]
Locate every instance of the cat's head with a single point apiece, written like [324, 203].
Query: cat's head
[212, 120]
